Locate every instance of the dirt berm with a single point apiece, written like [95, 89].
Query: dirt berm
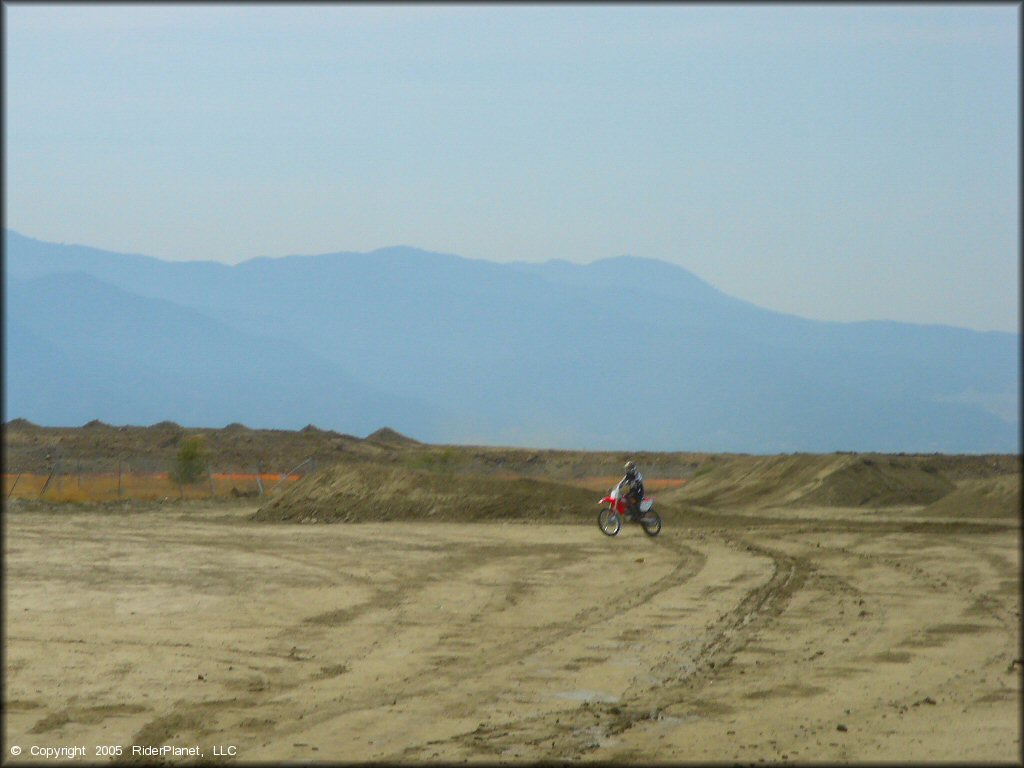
[975, 486]
[988, 497]
[374, 492]
[987, 485]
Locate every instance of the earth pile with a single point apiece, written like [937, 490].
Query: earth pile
[377, 492]
[942, 485]
[987, 497]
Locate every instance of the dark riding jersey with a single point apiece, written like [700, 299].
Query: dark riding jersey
[633, 482]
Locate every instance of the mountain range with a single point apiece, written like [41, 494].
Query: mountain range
[623, 353]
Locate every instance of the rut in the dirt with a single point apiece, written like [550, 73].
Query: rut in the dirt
[583, 730]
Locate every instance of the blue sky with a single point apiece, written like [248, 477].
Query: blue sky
[836, 162]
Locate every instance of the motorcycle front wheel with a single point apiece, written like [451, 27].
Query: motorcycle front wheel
[609, 521]
[651, 522]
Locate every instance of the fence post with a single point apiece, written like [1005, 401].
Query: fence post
[209, 474]
[291, 471]
[259, 480]
[119, 478]
[48, 479]
[14, 486]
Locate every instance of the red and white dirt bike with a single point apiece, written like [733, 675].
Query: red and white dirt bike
[610, 518]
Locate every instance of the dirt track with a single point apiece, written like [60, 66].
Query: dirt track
[831, 636]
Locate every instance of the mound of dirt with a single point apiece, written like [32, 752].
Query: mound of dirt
[842, 480]
[19, 424]
[746, 481]
[167, 426]
[360, 493]
[389, 437]
[969, 467]
[877, 482]
[991, 497]
[98, 447]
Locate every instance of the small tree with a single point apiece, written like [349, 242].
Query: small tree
[191, 462]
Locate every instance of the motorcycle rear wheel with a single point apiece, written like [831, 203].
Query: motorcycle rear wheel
[609, 521]
[651, 522]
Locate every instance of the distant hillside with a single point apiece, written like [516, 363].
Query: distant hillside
[80, 349]
[624, 353]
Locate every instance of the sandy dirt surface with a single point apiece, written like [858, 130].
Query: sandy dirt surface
[844, 636]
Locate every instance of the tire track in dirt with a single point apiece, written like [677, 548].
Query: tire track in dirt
[937, 583]
[197, 650]
[210, 544]
[923, 572]
[602, 723]
[488, 654]
[416, 579]
[450, 661]
[692, 562]
[594, 723]
[974, 604]
[581, 731]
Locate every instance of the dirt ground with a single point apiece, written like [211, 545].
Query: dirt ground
[774, 635]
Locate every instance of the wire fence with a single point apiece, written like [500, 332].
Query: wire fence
[147, 481]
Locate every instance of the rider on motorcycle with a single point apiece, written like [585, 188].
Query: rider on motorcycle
[633, 482]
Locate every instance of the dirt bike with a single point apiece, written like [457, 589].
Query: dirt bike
[610, 518]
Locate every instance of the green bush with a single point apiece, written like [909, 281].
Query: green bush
[190, 464]
[442, 462]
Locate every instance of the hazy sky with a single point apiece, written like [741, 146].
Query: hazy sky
[842, 163]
